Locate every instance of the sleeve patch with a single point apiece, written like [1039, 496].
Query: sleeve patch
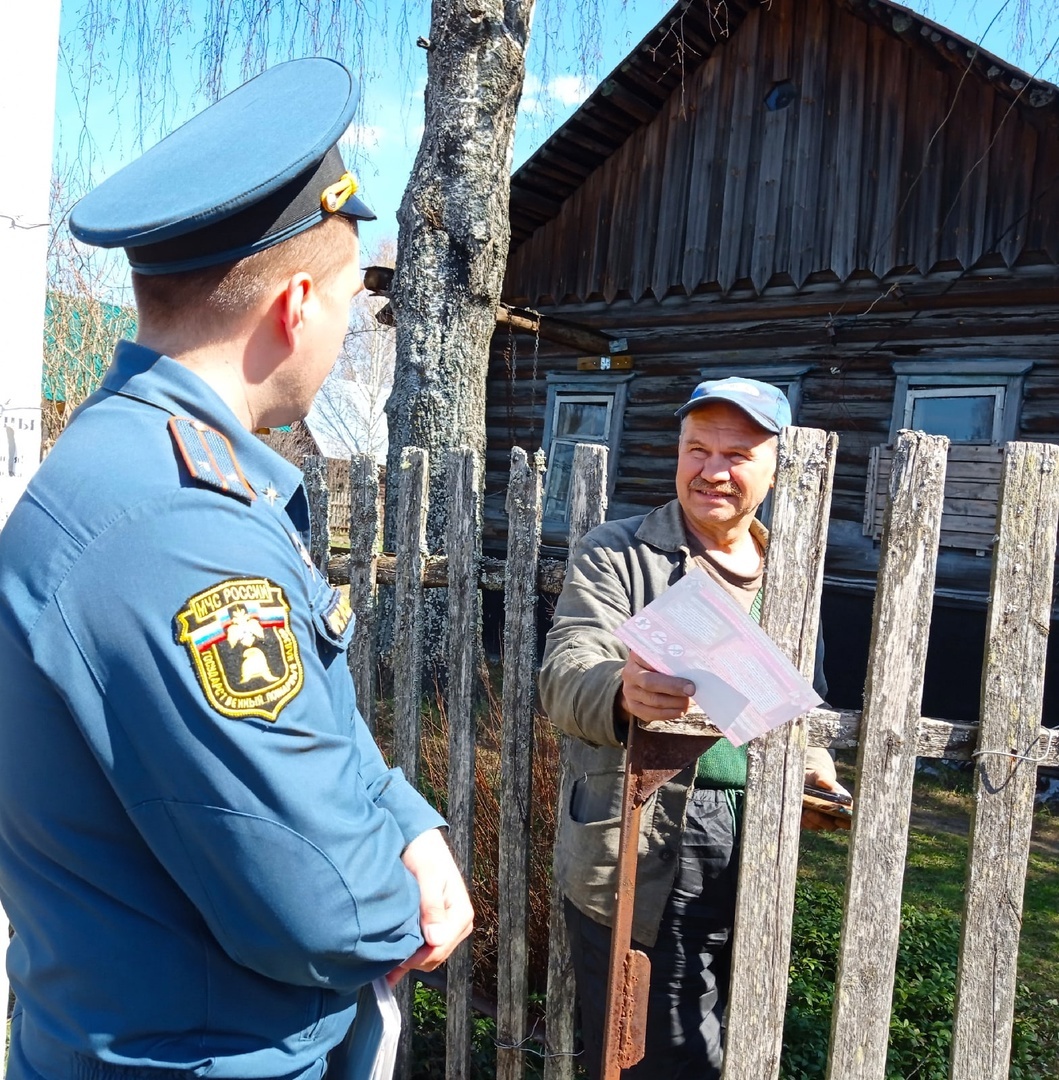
[209, 457]
[242, 648]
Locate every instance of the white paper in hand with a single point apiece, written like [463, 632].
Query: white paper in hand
[369, 1051]
[743, 683]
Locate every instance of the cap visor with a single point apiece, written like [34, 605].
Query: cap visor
[354, 208]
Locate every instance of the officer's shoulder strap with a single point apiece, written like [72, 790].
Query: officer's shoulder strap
[209, 457]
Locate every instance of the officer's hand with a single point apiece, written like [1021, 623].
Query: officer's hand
[820, 772]
[445, 912]
[650, 695]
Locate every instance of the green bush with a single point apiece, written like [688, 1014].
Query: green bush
[923, 1002]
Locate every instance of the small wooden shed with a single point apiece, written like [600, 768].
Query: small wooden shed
[839, 196]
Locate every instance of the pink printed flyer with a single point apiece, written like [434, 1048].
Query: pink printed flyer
[743, 683]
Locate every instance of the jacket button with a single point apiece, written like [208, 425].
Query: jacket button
[666, 855]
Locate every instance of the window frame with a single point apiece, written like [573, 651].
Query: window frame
[589, 387]
[1005, 378]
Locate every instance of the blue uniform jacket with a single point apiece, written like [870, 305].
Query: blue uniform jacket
[199, 841]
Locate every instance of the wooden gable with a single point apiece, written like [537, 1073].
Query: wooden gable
[887, 159]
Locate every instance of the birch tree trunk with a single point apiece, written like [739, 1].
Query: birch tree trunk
[453, 240]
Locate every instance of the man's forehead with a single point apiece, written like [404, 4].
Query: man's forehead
[721, 418]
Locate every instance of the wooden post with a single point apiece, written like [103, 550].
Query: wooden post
[1009, 744]
[886, 759]
[410, 532]
[520, 655]
[314, 469]
[588, 504]
[463, 534]
[363, 545]
[794, 573]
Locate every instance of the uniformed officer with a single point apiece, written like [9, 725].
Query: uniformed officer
[202, 852]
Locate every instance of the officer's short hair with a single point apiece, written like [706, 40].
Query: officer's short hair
[225, 293]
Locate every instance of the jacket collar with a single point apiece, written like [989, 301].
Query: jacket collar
[145, 375]
[663, 528]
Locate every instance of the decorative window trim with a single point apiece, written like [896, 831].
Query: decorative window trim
[586, 387]
[1006, 377]
[788, 376]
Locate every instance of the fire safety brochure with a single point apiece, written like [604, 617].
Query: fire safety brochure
[743, 683]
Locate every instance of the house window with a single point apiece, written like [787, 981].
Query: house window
[585, 410]
[970, 401]
[976, 404]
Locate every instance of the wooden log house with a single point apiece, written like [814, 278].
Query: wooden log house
[839, 196]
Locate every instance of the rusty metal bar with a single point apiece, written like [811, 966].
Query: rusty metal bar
[651, 759]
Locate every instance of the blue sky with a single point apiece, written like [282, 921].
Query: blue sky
[564, 66]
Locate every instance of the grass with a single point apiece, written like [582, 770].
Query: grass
[936, 867]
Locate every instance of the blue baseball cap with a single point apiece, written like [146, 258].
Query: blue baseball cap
[764, 403]
[252, 170]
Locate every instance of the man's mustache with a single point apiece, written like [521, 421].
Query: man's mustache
[714, 489]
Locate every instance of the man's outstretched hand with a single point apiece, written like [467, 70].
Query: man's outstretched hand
[650, 695]
[445, 912]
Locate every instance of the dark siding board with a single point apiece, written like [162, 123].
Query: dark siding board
[737, 179]
[966, 176]
[1022, 147]
[758, 60]
[830, 151]
[781, 258]
[705, 173]
[627, 192]
[805, 202]
[932, 99]
[721, 133]
[777, 39]
[868, 194]
[564, 280]
[596, 227]
[673, 198]
[651, 147]
[853, 38]
[893, 121]
[1043, 233]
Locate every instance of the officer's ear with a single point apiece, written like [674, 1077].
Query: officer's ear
[294, 305]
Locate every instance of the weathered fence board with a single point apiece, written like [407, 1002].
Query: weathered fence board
[520, 654]
[794, 573]
[886, 759]
[588, 504]
[1009, 746]
[315, 469]
[364, 532]
[408, 662]
[462, 540]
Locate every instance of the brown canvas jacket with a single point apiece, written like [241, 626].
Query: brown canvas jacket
[618, 568]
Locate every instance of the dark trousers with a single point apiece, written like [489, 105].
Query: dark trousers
[690, 961]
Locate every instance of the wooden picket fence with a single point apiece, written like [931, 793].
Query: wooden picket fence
[889, 733]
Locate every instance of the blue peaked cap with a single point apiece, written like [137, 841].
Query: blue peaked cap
[764, 403]
[248, 172]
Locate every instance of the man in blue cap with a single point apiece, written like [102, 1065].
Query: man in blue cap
[202, 852]
[592, 688]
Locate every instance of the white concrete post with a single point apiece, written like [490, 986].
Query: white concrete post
[29, 51]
